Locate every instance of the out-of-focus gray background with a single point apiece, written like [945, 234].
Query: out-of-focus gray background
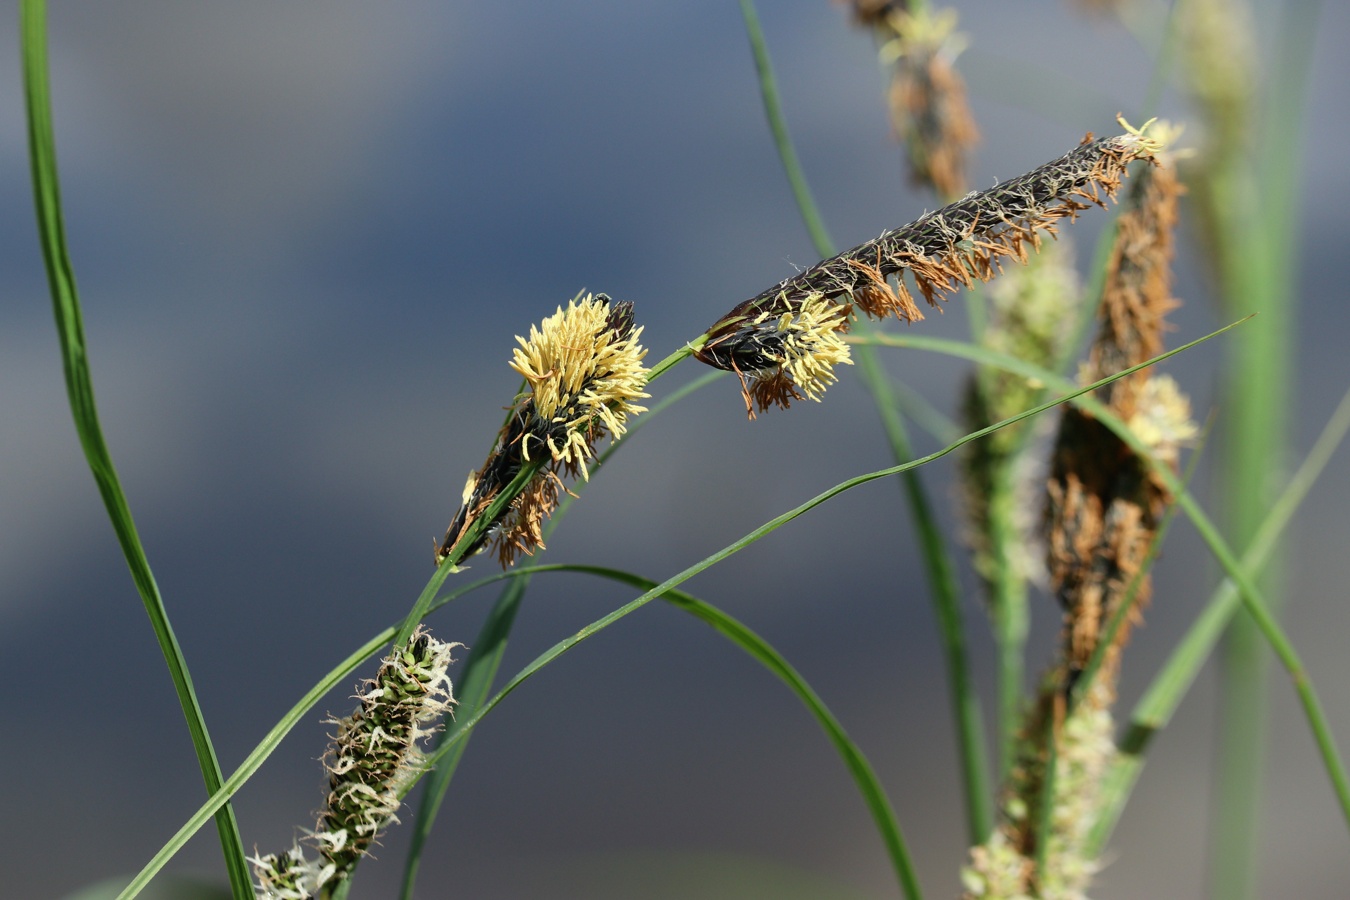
[305, 235]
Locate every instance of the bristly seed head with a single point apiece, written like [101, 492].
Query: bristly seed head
[781, 353]
[372, 758]
[971, 239]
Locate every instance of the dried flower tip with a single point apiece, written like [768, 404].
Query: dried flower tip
[375, 753]
[965, 241]
[782, 353]
[292, 876]
[584, 369]
[1137, 295]
[928, 98]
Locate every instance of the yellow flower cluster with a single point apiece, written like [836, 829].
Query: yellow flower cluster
[584, 376]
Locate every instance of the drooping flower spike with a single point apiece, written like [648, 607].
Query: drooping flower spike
[583, 372]
[790, 331]
[969, 240]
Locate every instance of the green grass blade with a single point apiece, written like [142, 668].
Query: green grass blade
[1256, 231]
[1251, 596]
[80, 390]
[939, 566]
[874, 795]
[1154, 711]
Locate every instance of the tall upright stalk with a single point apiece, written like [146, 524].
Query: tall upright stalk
[937, 558]
[80, 391]
[1255, 194]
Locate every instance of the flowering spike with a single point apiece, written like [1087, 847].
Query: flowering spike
[583, 368]
[928, 97]
[375, 752]
[781, 353]
[957, 245]
[969, 240]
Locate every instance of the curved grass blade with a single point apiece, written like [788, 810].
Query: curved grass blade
[80, 390]
[469, 723]
[874, 795]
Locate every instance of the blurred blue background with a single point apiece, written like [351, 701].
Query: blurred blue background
[305, 235]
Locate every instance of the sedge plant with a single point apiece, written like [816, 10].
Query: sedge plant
[1112, 485]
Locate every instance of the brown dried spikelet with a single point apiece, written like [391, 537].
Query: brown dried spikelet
[1104, 502]
[957, 245]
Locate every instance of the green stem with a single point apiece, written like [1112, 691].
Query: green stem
[773, 111]
[1008, 608]
[937, 559]
[1255, 233]
[80, 391]
[1154, 711]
